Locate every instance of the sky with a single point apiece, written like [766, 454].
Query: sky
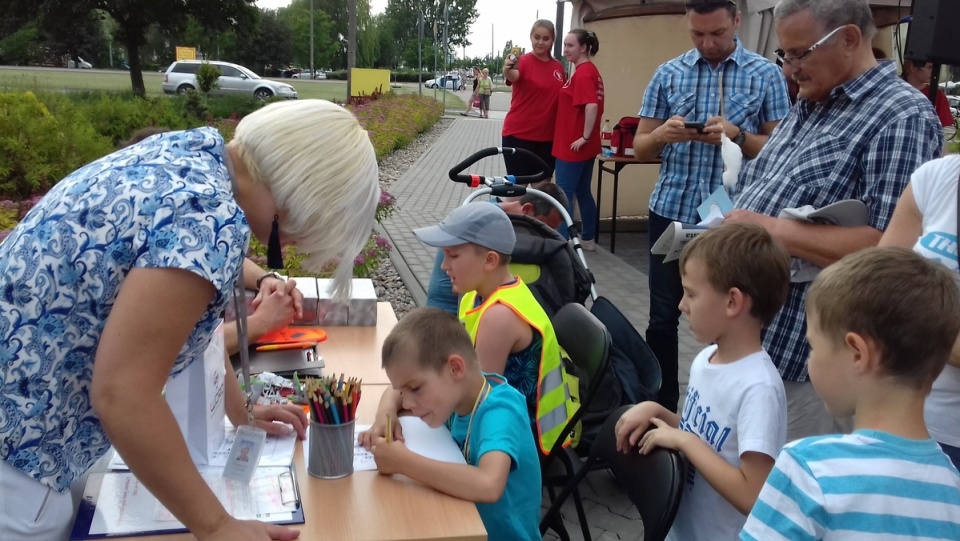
[510, 19]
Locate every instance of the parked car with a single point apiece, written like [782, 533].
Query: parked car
[83, 64]
[306, 74]
[181, 77]
[450, 82]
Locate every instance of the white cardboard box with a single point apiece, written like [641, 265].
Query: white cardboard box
[328, 312]
[311, 299]
[363, 303]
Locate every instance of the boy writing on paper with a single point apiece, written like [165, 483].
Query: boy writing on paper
[430, 360]
[881, 324]
[734, 419]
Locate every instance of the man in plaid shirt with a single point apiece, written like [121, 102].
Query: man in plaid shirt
[692, 88]
[856, 132]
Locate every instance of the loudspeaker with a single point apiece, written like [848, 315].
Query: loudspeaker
[933, 34]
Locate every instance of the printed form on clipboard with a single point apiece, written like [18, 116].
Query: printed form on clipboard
[116, 504]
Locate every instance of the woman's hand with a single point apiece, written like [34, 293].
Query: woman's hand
[575, 146]
[288, 287]
[276, 419]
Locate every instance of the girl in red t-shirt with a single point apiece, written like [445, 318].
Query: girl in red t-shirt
[536, 78]
[918, 73]
[576, 139]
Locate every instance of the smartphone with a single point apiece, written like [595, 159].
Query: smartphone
[694, 126]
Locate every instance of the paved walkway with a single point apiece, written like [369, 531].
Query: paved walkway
[425, 195]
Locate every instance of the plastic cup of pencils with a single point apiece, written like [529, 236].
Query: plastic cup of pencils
[331, 450]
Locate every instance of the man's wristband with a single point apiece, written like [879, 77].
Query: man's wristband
[268, 275]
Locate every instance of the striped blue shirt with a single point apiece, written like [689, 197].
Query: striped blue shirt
[862, 143]
[755, 93]
[864, 486]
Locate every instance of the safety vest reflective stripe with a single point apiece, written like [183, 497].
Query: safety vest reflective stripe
[554, 404]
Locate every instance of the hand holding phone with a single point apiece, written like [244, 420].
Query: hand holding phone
[694, 126]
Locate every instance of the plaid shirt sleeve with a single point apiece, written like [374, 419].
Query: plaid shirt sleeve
[655, 104]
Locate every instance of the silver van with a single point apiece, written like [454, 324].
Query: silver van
[181, 77]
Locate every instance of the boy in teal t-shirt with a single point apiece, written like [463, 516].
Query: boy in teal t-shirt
[430, 359]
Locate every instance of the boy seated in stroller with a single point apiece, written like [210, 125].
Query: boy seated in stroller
[440, 291]
[512, 334]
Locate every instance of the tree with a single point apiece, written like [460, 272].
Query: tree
[405, 13]
[271, 46]
[325, 46]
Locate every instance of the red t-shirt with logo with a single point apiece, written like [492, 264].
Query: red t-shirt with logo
[584, 87]
[533, 106]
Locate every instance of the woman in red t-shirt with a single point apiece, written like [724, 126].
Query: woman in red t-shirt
[536, 78]
[918, 73]
[576, 139]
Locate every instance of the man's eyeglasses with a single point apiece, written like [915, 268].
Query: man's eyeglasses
[794, 60]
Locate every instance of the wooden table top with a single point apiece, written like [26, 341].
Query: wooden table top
[367, 505]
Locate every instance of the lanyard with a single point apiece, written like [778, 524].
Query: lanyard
[240, 308]
[481, 396]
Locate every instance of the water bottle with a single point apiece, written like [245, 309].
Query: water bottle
[606, 133]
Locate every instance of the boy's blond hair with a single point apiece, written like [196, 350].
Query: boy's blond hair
[431, 336]
[747, 257]
[908, 306]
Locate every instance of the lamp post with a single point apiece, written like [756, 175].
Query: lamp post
[420, 52]
[313, 73]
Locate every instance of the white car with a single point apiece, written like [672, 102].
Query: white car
[83, 64]
[305, 74]
[450, 82]
[181, 77]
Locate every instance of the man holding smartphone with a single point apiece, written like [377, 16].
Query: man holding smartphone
[681, 122]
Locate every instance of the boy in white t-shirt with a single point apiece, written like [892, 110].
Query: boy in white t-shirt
[734, 419]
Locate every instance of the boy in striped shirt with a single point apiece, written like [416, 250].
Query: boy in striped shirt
[881, 323]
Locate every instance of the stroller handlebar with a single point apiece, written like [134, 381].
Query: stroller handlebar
[456, 173]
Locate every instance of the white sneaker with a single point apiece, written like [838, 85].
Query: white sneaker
[589, 245]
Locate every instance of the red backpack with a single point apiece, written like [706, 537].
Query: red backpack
[622, 140]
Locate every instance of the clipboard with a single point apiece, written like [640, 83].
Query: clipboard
[115, 504]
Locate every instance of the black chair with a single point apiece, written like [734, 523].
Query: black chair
[588, 345]
[654, 482]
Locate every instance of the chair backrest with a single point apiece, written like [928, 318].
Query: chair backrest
[653, 482]
[561, 277]
[587, 344]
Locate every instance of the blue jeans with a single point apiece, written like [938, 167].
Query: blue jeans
[440, 290]
[666, 291]
[574, 178]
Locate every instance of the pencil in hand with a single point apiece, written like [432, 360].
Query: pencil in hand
[389, 429]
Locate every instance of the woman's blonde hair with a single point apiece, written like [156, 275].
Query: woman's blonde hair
[319, 165]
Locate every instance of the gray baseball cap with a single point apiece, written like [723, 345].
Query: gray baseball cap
[483, 224]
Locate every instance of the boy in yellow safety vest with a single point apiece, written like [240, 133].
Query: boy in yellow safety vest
[512, 334]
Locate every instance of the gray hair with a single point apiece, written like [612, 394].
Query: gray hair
[318, 162]
[831, 14]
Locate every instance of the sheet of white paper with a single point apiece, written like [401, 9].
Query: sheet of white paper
[435, 443]
[278, 451]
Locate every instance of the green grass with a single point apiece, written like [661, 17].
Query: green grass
[43, 80]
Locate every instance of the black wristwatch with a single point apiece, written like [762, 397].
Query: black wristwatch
[268, 275]
[740, 138]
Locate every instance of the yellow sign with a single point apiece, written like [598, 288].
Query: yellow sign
[365, 81]
[186, 53]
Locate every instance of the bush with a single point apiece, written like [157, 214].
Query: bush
[207, 75]
[410, 76]
[37, 149]
[116, 116]
[394, 120]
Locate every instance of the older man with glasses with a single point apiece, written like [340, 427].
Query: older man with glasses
[718, 86]
[856, 132]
